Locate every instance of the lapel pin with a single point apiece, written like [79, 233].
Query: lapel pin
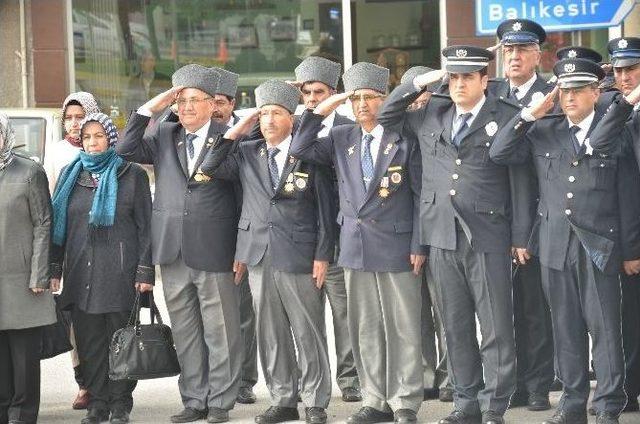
[291, 159]
[388, 148]
[262, 151]
[351, 149]
[384, 182]
[384, 192]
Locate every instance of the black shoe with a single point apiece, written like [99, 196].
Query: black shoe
[405, 416]
[446, 395]
[188, 415]
[459, 417]
[606, 418]
[315, 415]
[430, 394]
[561, 417]
[519, 399]
[368, 415]
[246, 395]
[17, 422]
[351, 394]
[632, 405]
[278, 414]
[538, 402]
[217, 415]
[556, 386]
[491, 417]
[119, 416]
[592, 411]
[95, 416]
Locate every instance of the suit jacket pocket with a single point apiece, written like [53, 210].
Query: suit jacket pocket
[604, 172]
[484, 206]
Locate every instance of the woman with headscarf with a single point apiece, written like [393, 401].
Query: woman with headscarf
[102, 247]
[25, 306]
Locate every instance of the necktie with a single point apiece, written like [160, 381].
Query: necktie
[190, 148]
[576, 144]
[513, 93]
[366, 160]
[273, 166]
[462, 129]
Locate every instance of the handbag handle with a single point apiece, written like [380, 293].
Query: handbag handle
[154, 312]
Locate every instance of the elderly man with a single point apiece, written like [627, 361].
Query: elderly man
[193, 240]
[379, 247]
[286, 239]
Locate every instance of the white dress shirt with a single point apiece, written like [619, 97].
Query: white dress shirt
[327, 124]
[375, 143]
[474, 112]
[524, 88]
[581, 135]
[198, 142]
[282, 155]
[58, 154]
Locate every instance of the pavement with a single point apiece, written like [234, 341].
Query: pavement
[156, 400]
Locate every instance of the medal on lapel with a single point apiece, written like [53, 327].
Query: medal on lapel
[387, 149]
[288, 187]
[301, 181]
[209, 142]
[396, 178]
[384, 182]
[384, 192]
[262, 151]
[351, 149]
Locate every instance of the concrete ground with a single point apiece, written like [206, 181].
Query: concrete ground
[156, 400]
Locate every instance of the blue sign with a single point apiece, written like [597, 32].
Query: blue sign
[553, 15]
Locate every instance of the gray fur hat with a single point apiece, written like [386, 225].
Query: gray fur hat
[197, 76]
[315, 68]
[275, 92]
[414, 71]
[228, 82]
[366, 75]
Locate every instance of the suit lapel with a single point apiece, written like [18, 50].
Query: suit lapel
[352, 153]
[262, 164]
[213, 138]
[484, 116]
[289, 164]
[386, 153]
[181, 150]
[564, 135]
[448, 123]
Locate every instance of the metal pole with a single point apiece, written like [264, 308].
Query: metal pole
[347, 51]
[23, 56]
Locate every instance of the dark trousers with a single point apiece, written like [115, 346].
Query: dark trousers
[584, 301]
[20, 375]
[248, 331]
[93, 335]
[534, 337]
[631, 333]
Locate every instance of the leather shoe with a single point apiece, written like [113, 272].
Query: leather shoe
[217, 415]
[246, 395]
[16, 422]
[82, 400]
[368, 415]
[538, 402]
[556, 386]
[446, 395]
[405, 416]
[491, 417]
[430, 394]
[95, 416]
[119, 416]
[519, 399]
[459, 417]
[351, 394]
[561, 417]
[632, 405]
[278, 414]
[188, 415]
[606, 418]
[315, 415]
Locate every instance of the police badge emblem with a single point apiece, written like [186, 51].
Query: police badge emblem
[491, 128]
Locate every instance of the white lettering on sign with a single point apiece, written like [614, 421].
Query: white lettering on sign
[542, 10]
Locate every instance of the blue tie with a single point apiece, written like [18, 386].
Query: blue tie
[462, 129]
[273, 166]
[190, 149]
[574, 138]
[366, 160]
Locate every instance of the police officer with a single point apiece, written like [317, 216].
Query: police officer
[379, 248]
[318, 79]
[578, 231]
[465, 219]
[286, 238]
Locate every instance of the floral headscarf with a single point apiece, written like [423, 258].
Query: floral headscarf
[7, 141]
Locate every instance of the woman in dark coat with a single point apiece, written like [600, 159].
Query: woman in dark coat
[25, 305]
[102, 247]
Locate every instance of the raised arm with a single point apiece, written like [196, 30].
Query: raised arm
[609, 134]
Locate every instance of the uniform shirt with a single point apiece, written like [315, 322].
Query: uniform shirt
[584, 125]
[474, 112]
[524, 88]
[281, 157]
[375, 143]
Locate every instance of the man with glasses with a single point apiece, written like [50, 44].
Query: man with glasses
[379, 248]
[193, 240]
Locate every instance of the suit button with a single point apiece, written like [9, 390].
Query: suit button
[546, 155]
[611, 230]
[87, 287]
[601, 164]
[569, 195]
[270, 225]
[186, 213]
[455, 176]
[452, 192]
[458, 162]
[490, 212]
[358, 220]
[567, 212]
[571, 178]
[487, 144]
[89, 263]
[574, 163]
[273, 202]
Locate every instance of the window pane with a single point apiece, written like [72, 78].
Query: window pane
[29, 135]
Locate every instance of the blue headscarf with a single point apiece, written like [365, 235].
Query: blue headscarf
[105, 164]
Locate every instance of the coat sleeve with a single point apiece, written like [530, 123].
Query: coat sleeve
[523, 187]
[40, 213]
[394, 110]
[307, 146]
[135, 145]
[326, 217]
[415, 181]
[223, 161]
[609, 134]
[628, 184]
[511, 145]
[145, 272]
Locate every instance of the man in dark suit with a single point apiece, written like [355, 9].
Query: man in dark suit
[520, 41]
[193, 240]
[318, 79]
[579, 232]
[286, 239]
[379, 247]
[466, 220]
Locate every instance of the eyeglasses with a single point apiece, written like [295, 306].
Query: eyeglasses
[364, 97]
[193, 101]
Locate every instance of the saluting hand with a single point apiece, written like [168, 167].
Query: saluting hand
[330, 104]
[494, 47]
[243, 126]
[163, 100]
[320, 272]
[541, 107]
[429, 78]
[634, 96]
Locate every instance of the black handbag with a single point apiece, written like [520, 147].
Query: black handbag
[55, 337]
[143, 351]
